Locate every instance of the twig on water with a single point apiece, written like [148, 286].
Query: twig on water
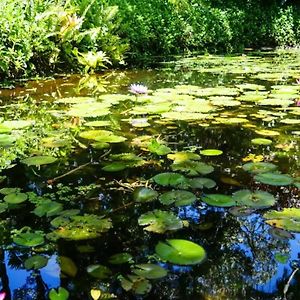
[286, 287]
[51, 181]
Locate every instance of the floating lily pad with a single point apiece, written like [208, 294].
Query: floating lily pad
[111, 139]
[274, 179]
[39, 160]
[158, 148]
[18, 124]
[259, 167]
[48, 208]
[160, 221]
[120, 258]
[169, 179]
[35, 262]
[93, 134]
[3, 207]
[60, 294]
[6, 191]
[81, 227]
[97, 123]
[200, 183]
[143, 194]
[287, 219]
[280, 233]
[15, 198]
[211, 152]
[241, 211]
[137, 284]
[257, 199]
[179, 198]
[6, 140]
[150, 271]
[219, 200]
[267, 132]
[99, 271]
[67, 266]
[180, 252]
[183, 156]
[29, 239]
[261, 141]
[192, 168]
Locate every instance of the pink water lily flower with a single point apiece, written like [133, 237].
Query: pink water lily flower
[2, 295]
[138, 89]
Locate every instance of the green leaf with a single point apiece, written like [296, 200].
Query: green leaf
[160, 149]
[15, 198]
[274, 179]
[257, 199]
[192, 168]
[28, 239]
[48, 208]
[211, 152]
[180, 252]
[35, 262]
[261, 141]
[150, 271]
[143, 194]
[160, 221]
[99, 271]
[171, 179]
[67, 266]
[218, 200]
[259, 167]
[39, 160]
[120, 258]
[60, 294]
[179, 198]
[137, 284]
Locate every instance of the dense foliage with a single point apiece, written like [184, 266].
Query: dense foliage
[39, 36]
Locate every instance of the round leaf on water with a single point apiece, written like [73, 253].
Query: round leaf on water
[29, 239]
[180, 252]
[60, 294]
[115, 166]
[99, 271]
[261, 141]
[241, 211]
[120, 258]
[3, 207]
[67, 266]
[6, 191]
[267, 132]
[179, 198]
[160, 149]
[17, 124]
[138, 285]
[183, 156]
[288, 219]
[48, 208]
[39, 160]
[6, 140]
[211, 152]
[274, 179]
[160, 221]
[150, 271]
[192, 168]
[97, 123]
[15, 198]
[111, 139]
[218, 200]
[172, 179]
[259, 167]
[200, 183]
[93, 134]
[253, 199]
[143, 194]
[35, 262]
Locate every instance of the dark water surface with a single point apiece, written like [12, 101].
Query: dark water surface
[246, 257]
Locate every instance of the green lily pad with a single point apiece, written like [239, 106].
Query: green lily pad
[48, 208]
[200, 183]
[3, 207]
[241, 211]
[93, 134]
[6, 191]
[259, 167]
[137, 284]
[120, 258]
[39, 160]
[15, 198]
[81, 227]
[287, 219]
[18, 124]
[274, 179]
[60, 294]
[160, 149]
[67, 266]
[160, 221]
[180, 252]
[192, 168]
[261, 141]
[29, 239]
[257, 199]
[169, 179]
[35, 262]
[178, 197]
[183, 156]
[150, 271]
[99, 271]
[6, 140]
[111, 139]
[218, 200]
[143, 194]
[211, 152]
[97, 123]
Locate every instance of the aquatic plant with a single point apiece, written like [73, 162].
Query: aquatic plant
[138, 89]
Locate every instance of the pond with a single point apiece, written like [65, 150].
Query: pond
[176, 182]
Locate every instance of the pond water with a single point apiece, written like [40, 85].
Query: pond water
[187, 191]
